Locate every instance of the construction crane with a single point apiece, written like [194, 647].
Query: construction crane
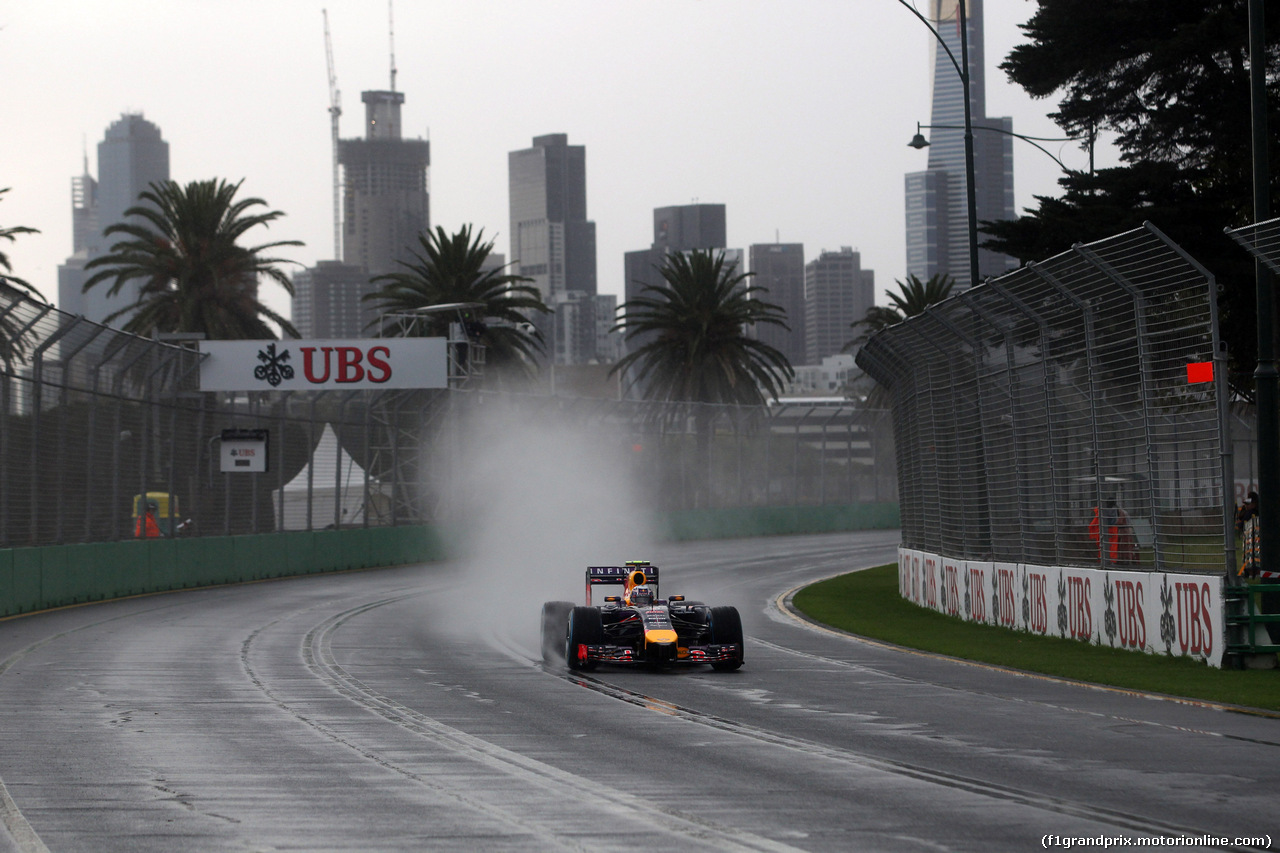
[391, 32]
[335, 113]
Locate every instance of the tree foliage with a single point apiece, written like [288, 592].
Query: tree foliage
[912, 298]
[697, 349]
[1171, 80]
[195, 276]
[453, 270]
[10, 234]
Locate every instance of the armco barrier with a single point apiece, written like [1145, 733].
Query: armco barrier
[1155, 612]
[59, 575]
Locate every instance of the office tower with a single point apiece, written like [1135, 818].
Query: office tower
[573, 328]
[689, 226]
[778, 268]
[386, 205]
[553, 242]
[937, 220]
[327, 301]
[837, 292]
[608, 342]
[131, 157]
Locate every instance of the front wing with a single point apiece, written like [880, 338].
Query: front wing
[635, 654]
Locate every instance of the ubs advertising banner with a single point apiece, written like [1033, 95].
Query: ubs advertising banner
[1154, 612]
[375, 363]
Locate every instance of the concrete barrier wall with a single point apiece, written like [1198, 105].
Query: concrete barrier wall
[59, 575]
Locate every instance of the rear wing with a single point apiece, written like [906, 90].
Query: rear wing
[597, 575]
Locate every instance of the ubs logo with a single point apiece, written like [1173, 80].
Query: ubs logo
[274, 368]
[325, 364]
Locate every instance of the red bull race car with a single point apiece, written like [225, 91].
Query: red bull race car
[638, 627]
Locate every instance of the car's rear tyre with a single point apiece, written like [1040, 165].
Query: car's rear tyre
[555, 618]
[585, 629]
[726, 628]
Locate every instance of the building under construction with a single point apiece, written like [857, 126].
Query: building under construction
[385, 196]
[380, 208]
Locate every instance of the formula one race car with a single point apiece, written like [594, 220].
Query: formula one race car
[637, 627]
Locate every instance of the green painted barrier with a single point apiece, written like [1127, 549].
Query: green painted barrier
[738, 522]
[60, 575]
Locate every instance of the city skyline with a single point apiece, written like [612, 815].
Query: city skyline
[668, 118]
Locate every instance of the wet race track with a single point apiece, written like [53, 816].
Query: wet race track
[386, 710]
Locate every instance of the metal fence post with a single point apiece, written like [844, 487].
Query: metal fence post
[1091, 358]
[1140, 311]
[1020, 472]
[1222, 392]
[1045, 354]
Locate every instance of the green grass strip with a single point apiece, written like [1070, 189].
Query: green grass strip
[867, 603]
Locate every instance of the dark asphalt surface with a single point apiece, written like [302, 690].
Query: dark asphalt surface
[406, 709]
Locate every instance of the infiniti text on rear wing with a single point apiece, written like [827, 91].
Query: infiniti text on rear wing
[618, 575]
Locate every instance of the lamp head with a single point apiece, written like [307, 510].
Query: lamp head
[918, 141]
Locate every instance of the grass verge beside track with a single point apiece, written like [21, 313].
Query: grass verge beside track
[867, 603]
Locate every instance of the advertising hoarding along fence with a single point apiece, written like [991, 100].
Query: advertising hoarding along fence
[1154, 612]
[320, 365]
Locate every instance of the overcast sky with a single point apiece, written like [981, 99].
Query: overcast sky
[795, 114]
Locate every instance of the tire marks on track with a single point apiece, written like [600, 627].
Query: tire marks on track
[1110, 817]
[615, 808]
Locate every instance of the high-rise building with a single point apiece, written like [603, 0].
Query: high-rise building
[837, 293]
[689, 226]
[327, 301]
[386, 204]
[778, 268]
[937, 218]
[608, 342]
[553, 242]
[131, 157]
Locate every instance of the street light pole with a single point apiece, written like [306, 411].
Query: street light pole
[1265, 376]
[971, 190]
[962, 68]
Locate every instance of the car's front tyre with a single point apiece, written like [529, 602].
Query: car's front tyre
[584, 629]
[726, 628]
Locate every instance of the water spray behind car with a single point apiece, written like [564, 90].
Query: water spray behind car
[535, 497]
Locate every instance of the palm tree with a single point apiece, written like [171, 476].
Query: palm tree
[913, 297]
[697, 350]
[13, 289]
[694, 347]
[195, 276]
[451, 270]
[10, 234]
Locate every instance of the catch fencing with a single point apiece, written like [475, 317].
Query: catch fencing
[91, 418]
[1028, 407]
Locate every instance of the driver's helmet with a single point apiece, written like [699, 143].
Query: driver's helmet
[641, 596]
